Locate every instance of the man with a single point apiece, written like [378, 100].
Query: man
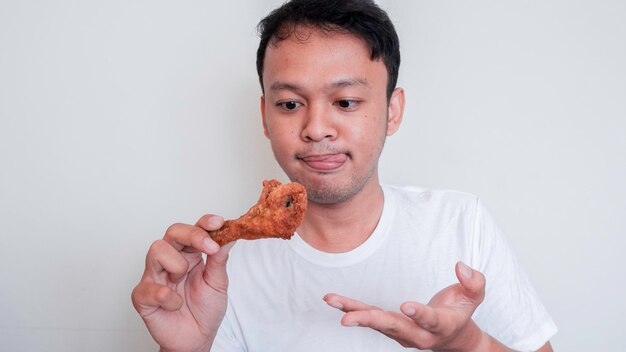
[367, 256]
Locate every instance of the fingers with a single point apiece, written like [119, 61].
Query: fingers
[165, 263]
[393, 324]
[210, 222]
[447, 316]
[163, 260]
[190, 238]
[473, 282]
[418, 325]
[164, 257]
[383, 321]
[214, 274]
[362, 314]
[147, 297]
[346, 304]
[424, 316]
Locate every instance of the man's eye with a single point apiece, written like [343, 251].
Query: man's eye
[347, 104]
[289, 105]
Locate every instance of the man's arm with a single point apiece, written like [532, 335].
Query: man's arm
[546, 348]
[490, 344]
[443, 325]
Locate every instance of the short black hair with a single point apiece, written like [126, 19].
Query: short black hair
[362, 18]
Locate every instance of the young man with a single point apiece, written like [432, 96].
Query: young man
[372, 268]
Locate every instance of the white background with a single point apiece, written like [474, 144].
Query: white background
[119, 118]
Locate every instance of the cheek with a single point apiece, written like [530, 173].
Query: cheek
[278, 127]
[284, 136]
[368, 130]
[282, 142]
[356, 131]
[371, 134]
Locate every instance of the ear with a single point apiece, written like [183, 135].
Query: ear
[263, 116]
[395, 111]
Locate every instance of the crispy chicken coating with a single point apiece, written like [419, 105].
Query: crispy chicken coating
[277, 214]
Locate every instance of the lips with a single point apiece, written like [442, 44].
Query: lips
[325, 162]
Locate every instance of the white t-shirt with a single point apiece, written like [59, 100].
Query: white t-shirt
[276, 286]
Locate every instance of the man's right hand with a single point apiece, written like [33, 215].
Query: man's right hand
[181, 299]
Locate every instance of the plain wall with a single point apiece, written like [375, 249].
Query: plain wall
[119, 118]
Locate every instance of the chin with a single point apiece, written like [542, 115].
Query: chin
[328, 192]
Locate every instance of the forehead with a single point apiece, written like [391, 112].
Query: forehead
[313, 55]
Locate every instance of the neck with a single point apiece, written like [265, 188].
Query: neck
[341, 227]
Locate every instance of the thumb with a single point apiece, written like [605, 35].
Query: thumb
[473, 282]
[215, 268]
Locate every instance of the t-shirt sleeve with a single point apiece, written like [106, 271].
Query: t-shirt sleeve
[512, 311]
[227, 335]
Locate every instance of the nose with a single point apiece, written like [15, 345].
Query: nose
[318, 124]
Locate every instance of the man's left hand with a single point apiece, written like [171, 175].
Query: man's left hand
[444, 324]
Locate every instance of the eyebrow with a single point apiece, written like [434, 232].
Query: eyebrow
[340, 83]
[349, 82]
[284, 86]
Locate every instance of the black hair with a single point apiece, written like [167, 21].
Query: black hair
[362, 18]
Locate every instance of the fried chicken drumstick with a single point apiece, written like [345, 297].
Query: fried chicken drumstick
[277, 214]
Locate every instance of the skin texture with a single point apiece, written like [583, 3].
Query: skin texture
[326, 132]
[443, 324]
[181, 298]
[326, 114]
[277, 214]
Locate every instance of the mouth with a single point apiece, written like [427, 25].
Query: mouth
[324, 162]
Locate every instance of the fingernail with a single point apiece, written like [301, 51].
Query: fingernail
[351, 324]
[211, 247]
[465, 270]
[214, 221]
[409, 311]
[335, 304]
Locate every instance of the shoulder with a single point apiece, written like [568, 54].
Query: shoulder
[446, 215]
[433, 199]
